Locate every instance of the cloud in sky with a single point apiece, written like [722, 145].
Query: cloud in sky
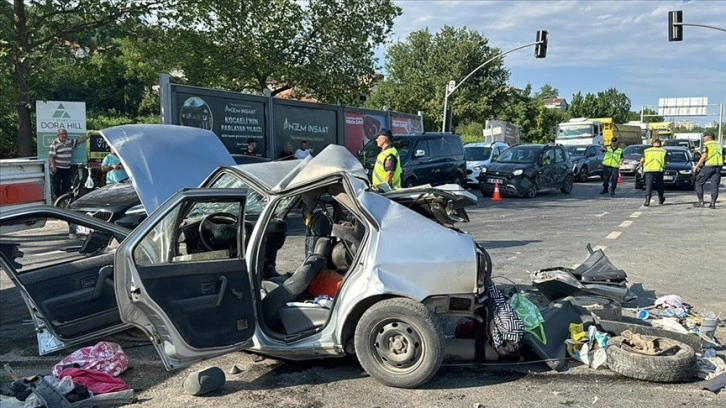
[593, 45]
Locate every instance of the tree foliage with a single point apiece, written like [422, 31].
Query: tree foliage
[547, 92]
[609, 103]
[419, 67]
[649, 115]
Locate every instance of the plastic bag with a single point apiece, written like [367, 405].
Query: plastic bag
[89, 181]
[530, 315]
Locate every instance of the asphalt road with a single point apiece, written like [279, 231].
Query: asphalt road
[668, 249]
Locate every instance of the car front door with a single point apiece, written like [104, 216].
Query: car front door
[547, 165]
[182, 277]
[64, 278]
[594, 159]
[421, 163]
[562, 167]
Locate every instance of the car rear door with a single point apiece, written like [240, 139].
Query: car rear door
[65, 280]
[183, 279]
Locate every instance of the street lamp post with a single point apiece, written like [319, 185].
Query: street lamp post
[451, 86]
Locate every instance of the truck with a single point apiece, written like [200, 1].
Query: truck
[644, 132]
[660, 130]
[24, 182]
[586, 131]
[500, 131]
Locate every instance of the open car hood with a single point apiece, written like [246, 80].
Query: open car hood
[163, 159]
[445, 204]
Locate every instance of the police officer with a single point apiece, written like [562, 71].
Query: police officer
[388, 165]
[708, 168]
[653, 165]
[611, 166]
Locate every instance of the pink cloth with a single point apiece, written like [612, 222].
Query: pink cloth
[96, 381]
[105, 357]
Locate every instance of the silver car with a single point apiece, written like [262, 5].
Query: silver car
[231, 265]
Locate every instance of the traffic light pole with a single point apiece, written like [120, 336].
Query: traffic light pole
[449, 90]
[700, 25]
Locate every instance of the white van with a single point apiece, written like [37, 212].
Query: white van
[479, 155]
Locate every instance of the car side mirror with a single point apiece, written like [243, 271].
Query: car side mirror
[419, 153]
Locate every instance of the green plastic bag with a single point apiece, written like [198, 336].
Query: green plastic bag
[530, 316]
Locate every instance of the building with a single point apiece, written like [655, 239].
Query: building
[687, 124]
[555, 103]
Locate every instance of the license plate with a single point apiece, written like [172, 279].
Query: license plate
[494, 181]
[668, 178]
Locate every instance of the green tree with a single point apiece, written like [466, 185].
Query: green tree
[609, 103]
[419, 67]
[649, 115]
[547, 91]
[322, 48]
[470, 131]
[44, 33]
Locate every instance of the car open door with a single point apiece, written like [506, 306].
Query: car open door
[64, 278]
[182, 277]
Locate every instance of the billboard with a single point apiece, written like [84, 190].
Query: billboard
[406, 123]
[683, 106]
[233, 117]
[54, 115]
[362, 126]
[318, 127]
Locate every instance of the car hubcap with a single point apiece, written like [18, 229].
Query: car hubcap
[397, 346]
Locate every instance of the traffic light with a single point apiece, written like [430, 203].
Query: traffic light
[540, 50]
[675, 25]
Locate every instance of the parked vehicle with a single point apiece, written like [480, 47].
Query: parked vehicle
[24, 182]
[631, 158]
[500, 131]
[78, 187]
[678, 171]
[426, 158]
[598, 131]
[586, 161]
[222, 268]
[525, 170]
[480, 155]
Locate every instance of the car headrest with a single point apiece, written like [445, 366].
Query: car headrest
[320, 224]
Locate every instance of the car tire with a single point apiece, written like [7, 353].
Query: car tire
[459, 181]
[410, 182]
[64, 200]
[602, 307]
[567, 184]
[583, 174]
[531, 190]
[677, 367]
[414, 343]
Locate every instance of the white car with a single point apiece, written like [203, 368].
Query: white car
[480, 155]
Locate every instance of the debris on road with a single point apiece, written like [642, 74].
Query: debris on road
[651, 358]
[204, 381]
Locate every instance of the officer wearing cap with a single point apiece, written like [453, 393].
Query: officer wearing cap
[388, 164]
[708, 168]
[250, 150]
[653, 164]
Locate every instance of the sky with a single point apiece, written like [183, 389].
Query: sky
[593, 45]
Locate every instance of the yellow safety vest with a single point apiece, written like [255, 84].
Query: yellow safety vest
[654, 159]
[379, 171]
[714, 154]
[612, 157]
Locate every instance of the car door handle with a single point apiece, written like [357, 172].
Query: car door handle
[104, 273]
[222, 290]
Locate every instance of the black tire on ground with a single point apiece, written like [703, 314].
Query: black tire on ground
[567, 184]
[678, 367]
[410, 182]
[532, 190]
[400, 343]
[64, 200]
[459, 181]
[583, 175]
[602, 307]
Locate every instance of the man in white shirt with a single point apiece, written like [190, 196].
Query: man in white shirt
[303, 151]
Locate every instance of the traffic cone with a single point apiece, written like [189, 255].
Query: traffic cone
[496, 196]
[620, 177]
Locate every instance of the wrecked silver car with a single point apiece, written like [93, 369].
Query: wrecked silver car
[230, 265]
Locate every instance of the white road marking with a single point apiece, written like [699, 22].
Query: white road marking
[613, 235]
[626, 224]
[605, 213]
[511, 258]
[636, 214]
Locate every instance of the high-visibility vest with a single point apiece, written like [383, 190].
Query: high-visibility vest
[379, 171]
[612, 157]
[714, 154]
[654, 159]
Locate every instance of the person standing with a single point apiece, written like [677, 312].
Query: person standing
[287, 153]
[388, 164]
[611, 166]
[59, 157]
[303, 151]
[653, 164]
[114, 169]
[250, 150]
[708, 168]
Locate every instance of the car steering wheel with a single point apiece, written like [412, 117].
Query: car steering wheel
[222, 226]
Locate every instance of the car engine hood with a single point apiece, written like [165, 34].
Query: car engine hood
[121, 195]
[506, 168]
[444, 204]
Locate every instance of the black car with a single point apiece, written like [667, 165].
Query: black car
[678, 172]
[119, 203]
[524, 170]
[586, 160]
[426, 158]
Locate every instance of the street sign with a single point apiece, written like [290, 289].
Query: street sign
[683, 106]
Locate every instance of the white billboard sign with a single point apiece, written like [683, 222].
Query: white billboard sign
[683, 106]
[54, 115]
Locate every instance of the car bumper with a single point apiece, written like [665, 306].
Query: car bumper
[509, 187]
[684, 181]
[628, 169]
[472, 177]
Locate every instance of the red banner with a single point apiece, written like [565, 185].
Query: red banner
[360, 128]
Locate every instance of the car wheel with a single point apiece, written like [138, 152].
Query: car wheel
[410, 182]
[531, 190]
[400, 343]
[64, 200]
[676, 366]
[567, 184]
[583, 175]
[459, 181]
